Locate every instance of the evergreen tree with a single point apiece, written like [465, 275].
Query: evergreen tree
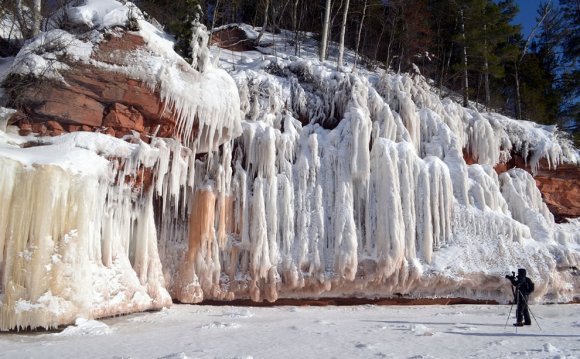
[570, 71]
[546, 49]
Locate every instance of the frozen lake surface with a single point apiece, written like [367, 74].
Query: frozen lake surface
[364, 331]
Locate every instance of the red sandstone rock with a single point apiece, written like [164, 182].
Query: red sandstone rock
[54, 126]
[63, 105]
[39, 128]
[122, 116]
[561, 190]
[25, 126]
[84, 98]
[232, 38]
[560, 187]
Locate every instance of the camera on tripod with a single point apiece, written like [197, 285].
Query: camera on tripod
[512, 277]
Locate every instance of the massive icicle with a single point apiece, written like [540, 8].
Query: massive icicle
[75, 240]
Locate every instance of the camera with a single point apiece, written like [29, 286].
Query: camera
[512, 277]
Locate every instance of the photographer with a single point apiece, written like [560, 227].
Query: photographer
[523, 287]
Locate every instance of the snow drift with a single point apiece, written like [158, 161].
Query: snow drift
[315, 183]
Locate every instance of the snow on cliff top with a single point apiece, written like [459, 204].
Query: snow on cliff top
[206, 99]
[502, 135]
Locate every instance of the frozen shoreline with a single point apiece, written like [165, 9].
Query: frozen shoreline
[362, 331]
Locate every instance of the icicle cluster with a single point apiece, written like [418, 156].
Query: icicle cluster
[359, 199]
[75, 237]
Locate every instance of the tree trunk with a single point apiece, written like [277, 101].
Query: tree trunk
[362, 20]
[486, 70]
[36, 17]
[518, 95]
[376, 53]
[295, 25]
[325, 32]
[340, 60]
[214, 15]
[465, 79]
[265, 23]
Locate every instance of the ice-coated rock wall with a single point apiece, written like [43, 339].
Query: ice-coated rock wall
[372, 197]
[322, 183]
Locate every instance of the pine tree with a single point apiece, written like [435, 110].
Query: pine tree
[546, 49]
[569, 84]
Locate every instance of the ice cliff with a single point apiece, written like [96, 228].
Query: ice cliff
[280, 178]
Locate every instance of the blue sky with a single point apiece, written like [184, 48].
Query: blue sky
[527, 15]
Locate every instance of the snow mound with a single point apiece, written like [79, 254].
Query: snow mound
[84, 327]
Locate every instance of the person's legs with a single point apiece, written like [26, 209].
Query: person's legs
[526, 311]
[519, 310]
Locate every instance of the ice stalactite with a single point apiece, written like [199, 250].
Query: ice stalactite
[76, 240]
[5, 115]
[525, 203]
[386, 226]
[484, 142]
[107, 226]
[348, 217]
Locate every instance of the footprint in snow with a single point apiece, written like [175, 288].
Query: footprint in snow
[421, 330]
[549, 348]
[241, 314]
[175, 356]
[465, 327]
[219, 325]
[363, 346]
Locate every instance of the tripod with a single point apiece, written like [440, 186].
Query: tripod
[512, 306]
[520, 296]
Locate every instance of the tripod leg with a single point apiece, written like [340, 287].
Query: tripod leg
[508, 318]
[532, 313]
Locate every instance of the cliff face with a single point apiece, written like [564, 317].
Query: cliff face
[79, 225]
[283, 178]
[94, 98]
[560, 186]
[561, 190]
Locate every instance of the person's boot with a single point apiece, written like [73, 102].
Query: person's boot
[519, 324]
[527, 323]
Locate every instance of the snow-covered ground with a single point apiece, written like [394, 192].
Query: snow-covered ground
[330, 183]
[366, 331]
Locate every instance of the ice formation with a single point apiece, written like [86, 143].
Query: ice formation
[315, 183]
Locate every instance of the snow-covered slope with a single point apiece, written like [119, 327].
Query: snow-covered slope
[341, 183]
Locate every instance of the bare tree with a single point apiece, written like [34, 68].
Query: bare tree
[36, 17]
[360, 27]
[340, 60]
[465, 73]
[325, 26]
[266, 11]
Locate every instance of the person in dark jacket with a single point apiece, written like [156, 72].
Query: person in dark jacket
[523, 287]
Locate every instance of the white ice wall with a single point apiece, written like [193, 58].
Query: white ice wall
[76, 240]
